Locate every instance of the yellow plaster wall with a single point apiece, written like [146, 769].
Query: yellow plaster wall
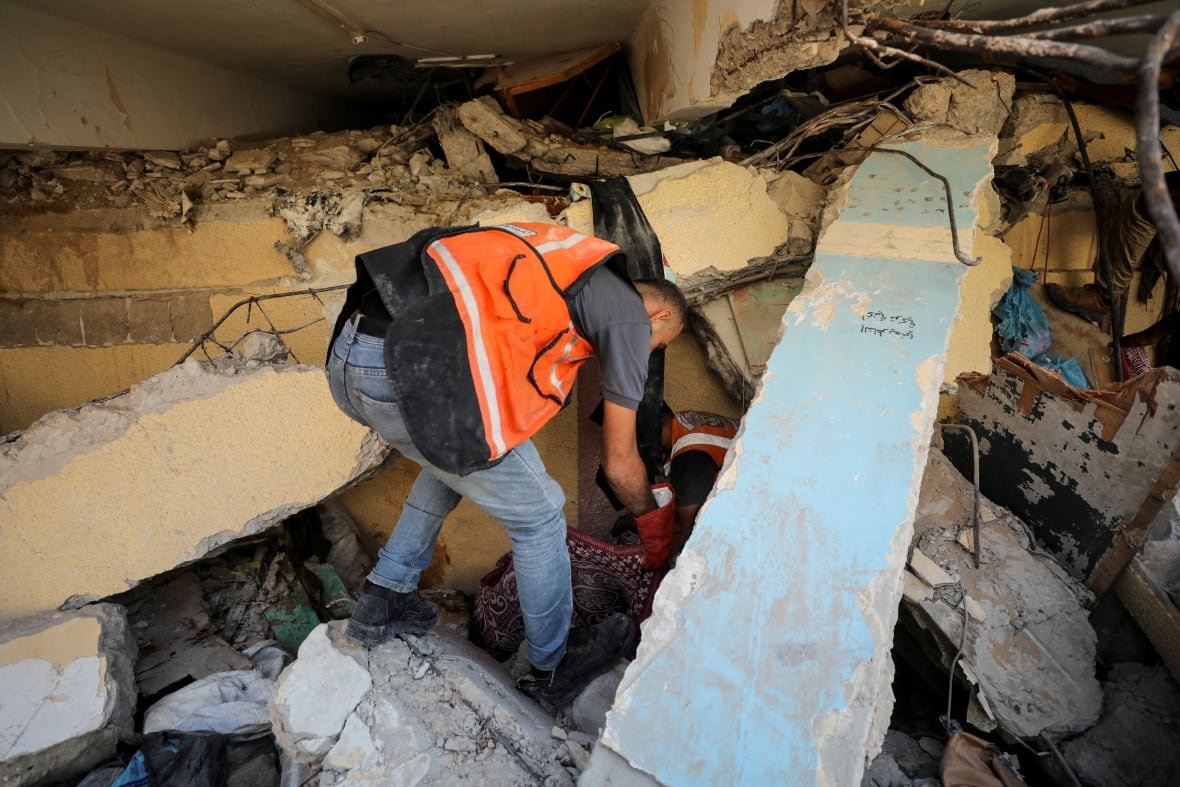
[707, 214]
[155, 493]
[38, 380]
[223, 252]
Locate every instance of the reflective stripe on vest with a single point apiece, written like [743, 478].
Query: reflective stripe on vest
[699, 439]
[699, 431]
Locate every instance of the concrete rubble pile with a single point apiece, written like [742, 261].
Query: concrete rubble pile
[1029, 651]
[422, 710]
[393, 161]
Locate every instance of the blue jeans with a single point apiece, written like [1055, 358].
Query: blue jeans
[517, 492]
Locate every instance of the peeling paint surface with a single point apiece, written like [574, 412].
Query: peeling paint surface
[766, 657]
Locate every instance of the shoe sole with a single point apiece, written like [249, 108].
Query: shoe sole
[570, 694]
[376, 635]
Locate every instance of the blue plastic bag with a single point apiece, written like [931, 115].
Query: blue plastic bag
[1023, 327]
[1069, 369]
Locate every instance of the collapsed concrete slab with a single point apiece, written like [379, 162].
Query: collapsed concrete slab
[429, 710]
[777, 621]
[1029, 652]
[95, 499]
[69, 693]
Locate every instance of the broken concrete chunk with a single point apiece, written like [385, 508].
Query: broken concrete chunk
[461, 714]
[1030, 648]
[314, 697]
[981, 108]
[247, 161]
[464, 151]
[163, 158]
[83, 174]
[483, 118]
[337, 157]
[928, 571]
[69, 693]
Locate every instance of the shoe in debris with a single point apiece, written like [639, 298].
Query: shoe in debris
[1087, 302]
[589, 652]
[382, 614]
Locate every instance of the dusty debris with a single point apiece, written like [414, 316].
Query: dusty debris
[532, 147]
[434, 707]
[1134, 743]
[174, 632]
[1030, 649]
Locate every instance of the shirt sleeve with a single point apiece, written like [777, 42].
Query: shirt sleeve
[623, 351]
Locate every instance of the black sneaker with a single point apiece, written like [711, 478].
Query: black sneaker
[589, 652]
[382, 614]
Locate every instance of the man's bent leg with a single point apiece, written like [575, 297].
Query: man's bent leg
[520, 495]
[408, 551]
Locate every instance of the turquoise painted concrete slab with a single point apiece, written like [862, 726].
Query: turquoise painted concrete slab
[763, 661]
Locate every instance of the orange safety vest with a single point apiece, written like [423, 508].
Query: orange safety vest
[693, 430]
[485, 351]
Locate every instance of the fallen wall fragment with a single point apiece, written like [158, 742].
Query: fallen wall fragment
[777, 622]
[95, 499]
[69, 693]
[1075, 465]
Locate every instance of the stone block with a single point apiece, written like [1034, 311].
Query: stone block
[69, 693]
[250, 160]
[149, 320]
[18, 326]
[59, 322]
[191, 316]
[94, 500]
[104, 321]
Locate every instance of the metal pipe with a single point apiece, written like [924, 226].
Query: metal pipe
[1073, 780]
[975, 479]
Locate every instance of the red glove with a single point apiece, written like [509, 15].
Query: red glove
[656, 528]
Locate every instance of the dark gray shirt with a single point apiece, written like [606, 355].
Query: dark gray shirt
[610, 314]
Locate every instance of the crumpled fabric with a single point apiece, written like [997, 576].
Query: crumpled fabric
[1022, 327]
